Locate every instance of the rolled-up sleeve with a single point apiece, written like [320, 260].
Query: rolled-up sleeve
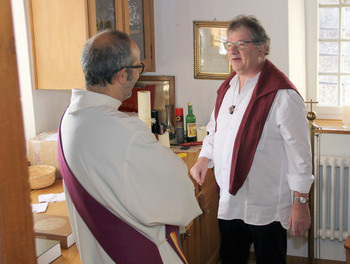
[294, 129]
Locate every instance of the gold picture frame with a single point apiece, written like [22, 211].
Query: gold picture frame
[164, 94]
[210, 56]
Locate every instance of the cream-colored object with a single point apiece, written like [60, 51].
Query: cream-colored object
[144, 107]
[201, 133]
[346, 115]
[164, 139]
[41, 176]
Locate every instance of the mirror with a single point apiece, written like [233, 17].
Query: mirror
[164, 93]
[210, 56]
[162, 90]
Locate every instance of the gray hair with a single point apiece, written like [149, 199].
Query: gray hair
[258, 33]
[103, 55]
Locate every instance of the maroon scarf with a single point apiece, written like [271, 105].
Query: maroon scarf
[121, 242]
[270, 81]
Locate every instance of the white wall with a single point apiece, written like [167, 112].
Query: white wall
[174, 43]
[296, 45]
[24, 68]
[283, 21]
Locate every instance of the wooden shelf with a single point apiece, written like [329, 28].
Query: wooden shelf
[331, 126]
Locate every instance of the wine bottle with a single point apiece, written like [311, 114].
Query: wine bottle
[191, 127]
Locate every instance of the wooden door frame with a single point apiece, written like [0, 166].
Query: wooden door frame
[16, 223]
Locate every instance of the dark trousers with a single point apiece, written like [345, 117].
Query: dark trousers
[270, 242]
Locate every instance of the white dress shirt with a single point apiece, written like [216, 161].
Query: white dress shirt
[282, 162]
[121, 164]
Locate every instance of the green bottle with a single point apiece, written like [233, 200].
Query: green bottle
[191, 127]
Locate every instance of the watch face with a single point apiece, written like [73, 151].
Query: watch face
[302, 200]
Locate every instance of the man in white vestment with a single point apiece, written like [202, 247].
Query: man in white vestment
[116, 158]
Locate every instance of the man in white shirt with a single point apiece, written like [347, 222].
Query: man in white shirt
[118, 161]
[258, 143]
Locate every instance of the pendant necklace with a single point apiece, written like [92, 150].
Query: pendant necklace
[231, 109]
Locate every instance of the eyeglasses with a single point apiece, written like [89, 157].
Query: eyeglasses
[141, 67]
[241, 44]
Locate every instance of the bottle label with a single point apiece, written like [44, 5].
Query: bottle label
[191, 130]
[179, 122]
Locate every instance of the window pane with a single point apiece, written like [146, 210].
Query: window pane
[328, 57]
[327, 2]
[105, 15]
[328, 90]
[345, 89]
[346, 23]
[345, 58]
[329, 23]
[136, 24]
[346, 1]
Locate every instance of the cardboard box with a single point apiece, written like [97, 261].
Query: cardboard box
[43, 150]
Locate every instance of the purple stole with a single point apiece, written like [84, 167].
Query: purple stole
[121, 242]
[270, 81]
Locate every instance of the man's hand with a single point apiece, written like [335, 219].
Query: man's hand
[299, 219]
[199, 170]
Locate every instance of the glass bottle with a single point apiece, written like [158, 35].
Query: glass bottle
[179, 125]
[191, 127]
[170, 128]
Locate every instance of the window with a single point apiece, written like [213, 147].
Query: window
[333, 84]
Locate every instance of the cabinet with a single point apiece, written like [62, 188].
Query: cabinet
[201, 242]
[135, 17]
[60, 28]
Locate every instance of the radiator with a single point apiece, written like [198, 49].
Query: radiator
[332, 205]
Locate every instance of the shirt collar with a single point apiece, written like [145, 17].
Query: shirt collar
[249, 84]
[82, 99]
[248, 81]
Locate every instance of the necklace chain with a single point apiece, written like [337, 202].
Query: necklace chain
[231, 109]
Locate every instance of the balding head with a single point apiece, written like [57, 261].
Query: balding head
[103, 55]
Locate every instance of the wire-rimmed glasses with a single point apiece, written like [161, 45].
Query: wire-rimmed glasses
[240, 44]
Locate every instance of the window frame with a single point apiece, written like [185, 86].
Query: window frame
[312, 48]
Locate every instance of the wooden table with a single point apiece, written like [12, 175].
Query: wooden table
[70, 255]
[331, 126]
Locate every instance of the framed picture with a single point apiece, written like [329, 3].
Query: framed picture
[164, 93]
[210, 56]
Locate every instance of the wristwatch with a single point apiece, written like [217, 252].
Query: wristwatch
[301, 199]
